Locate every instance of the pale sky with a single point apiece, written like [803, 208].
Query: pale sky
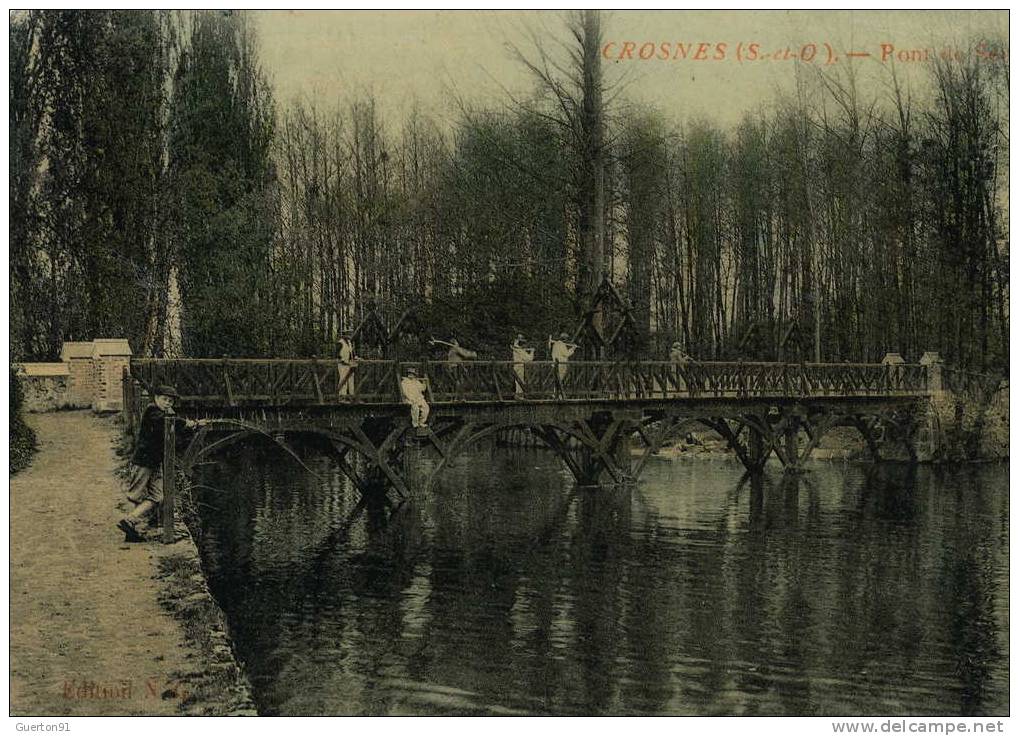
[434, 56]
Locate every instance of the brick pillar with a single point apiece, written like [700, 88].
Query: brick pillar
[109, 359]
[78, 357]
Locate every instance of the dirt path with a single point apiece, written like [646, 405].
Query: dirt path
[88, 636]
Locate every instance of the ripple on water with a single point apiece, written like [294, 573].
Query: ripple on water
[846, 591]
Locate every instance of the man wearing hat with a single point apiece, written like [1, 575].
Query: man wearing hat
[521, 354]
[345, 349]
[413, 389]
[147, 474]
[561, 350]
[677, 356]
[682, 361]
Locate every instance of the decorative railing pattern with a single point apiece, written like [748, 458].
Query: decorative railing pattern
[279, 382]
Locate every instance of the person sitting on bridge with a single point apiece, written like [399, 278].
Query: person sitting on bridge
[561, 350]
[413, 390]
[345, 350]
[521, 354]
[146, 488]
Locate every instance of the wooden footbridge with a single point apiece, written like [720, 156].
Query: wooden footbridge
[603, 419]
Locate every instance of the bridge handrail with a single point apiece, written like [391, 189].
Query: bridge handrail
[279, 381]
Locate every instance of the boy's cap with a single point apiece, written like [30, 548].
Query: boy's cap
[165, 390]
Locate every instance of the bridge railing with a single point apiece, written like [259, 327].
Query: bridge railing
[289, 382]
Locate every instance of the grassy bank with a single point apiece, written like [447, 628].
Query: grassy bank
[21, 438]
[217, 686]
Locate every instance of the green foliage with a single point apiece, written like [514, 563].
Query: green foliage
[487, 316]
[221, 130]
[866, 224]
[87, 101]
[21, 437]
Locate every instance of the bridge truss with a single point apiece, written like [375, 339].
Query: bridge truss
[604, 420]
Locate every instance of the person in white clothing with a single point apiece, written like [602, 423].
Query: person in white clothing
[456, 353]
[345, 350]
[521, 355]
[682, 362]
[413, 389]
[562, 350]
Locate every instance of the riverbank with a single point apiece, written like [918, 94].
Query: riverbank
[100, 627]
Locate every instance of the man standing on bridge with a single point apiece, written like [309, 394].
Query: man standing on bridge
[413, 390]
[456, 353]
[677, 356]
[345, 349]
[681, 360]
[562, 350]
[455, 358]
[521, 355]
[147, 472]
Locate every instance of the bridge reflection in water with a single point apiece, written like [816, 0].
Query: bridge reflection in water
[505, 589]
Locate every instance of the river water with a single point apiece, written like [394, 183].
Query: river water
[504, 590]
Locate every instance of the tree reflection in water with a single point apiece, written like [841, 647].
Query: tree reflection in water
[845, 590]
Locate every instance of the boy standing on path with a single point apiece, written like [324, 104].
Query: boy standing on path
[147, 474]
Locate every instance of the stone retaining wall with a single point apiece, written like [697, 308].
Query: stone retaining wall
[89, 374]
[46, 387]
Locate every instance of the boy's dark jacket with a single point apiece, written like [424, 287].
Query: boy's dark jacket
[148, 448]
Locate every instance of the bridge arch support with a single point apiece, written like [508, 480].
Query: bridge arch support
[590, 448]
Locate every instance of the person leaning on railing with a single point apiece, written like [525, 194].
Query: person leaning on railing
[146, 488]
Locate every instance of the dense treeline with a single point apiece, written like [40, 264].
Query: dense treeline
[836, 223]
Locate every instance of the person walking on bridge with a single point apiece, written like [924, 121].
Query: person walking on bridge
[345, 352]
[413, 389]
[521, 354]
[146, 489]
